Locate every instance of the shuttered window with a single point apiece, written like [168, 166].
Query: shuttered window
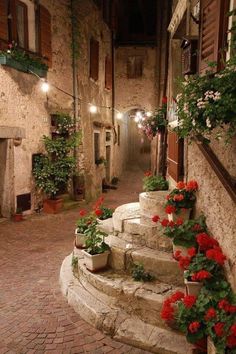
[94, 59]
[212, 32]
[45, 41]
[3, 24]
[22, 24]
[108, 73]
[175, 157]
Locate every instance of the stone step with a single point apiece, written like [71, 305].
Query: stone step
[152, 203]
[125, 212]
[144, 232]
[118, 289]
[116, 322]
[159, 263]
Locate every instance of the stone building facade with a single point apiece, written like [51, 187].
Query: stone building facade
[213, 199]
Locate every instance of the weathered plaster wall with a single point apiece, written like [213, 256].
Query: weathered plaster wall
[24, 105]
[214, 201]
[92, 25]
[139, 93]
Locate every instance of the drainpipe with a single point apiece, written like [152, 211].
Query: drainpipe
[74, 81]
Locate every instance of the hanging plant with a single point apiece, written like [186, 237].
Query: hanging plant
[154, 124]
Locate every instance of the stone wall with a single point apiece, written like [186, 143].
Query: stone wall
[91, 92]
[24, 105]
[138, 93]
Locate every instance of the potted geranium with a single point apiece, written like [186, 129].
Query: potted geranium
[97, 251]
[83, 224]
[181, 200]
[154, 183]
[183, 233]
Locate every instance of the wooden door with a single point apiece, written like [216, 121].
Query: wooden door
[175, 157]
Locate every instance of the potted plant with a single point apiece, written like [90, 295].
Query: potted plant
[154, 183]
[181, 200]
[97, 251]
[83, 224]
[182, 233]
[53, 170]
[155, 123]
[18, 216]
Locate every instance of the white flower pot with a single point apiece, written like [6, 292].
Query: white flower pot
[182, 249]
[79, 239]
[184, 214]
[95, 262]
[193, 287]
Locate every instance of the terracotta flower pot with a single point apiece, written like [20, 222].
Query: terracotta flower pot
[183, 214]
[192, 287]
[18, 217]
[79, 239]
[95, 262]
[52, 206]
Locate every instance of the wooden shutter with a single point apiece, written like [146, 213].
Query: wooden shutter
[3, 23]
[94, 59]
[212, 32]
[175, 157]
[45, 41]
[108, 73]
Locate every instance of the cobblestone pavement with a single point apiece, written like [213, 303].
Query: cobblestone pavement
[34, 316]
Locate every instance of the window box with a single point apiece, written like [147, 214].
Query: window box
[11, 62]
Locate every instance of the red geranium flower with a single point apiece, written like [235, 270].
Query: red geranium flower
[219, 329]
[82, 212]
[148, 173]
[170, 209]
[194, 327]
[178, 197]
[98, 212]
[205, 241]
[167, 313]
[232, 308]
[181, 185]
[171, 223]
[192, 252]
[233, 329]
[179, 221]
[201, 275]
[211, 313]
[177, 255]
[155, 218]
[231, 341]
[224, 305]
[189, 301]
[165, 222]
[216, 256]
[184, 262]
[197, 227]
[192, 186]
[164, 100]
[168, 197]
[178, 295]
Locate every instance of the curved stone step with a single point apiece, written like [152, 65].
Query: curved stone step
[160, 263]
[152, 203]
[124, 212]
[118, 289]
[116, 322]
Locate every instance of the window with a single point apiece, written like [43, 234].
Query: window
[22, 24]
[96, 146]
[134, 67]
[108, 73]
[213, 32]
[28, 25]
[23, 201]
[94, 59]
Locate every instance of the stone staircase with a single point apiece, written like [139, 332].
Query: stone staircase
[111, 300]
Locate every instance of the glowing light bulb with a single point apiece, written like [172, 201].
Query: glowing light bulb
[139, 125]
[136, 119]
[45, 86]
[139, 114]
[93, 109]
[119, 115]
[148, 114]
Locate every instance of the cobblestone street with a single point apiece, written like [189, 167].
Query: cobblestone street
[34, 316]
